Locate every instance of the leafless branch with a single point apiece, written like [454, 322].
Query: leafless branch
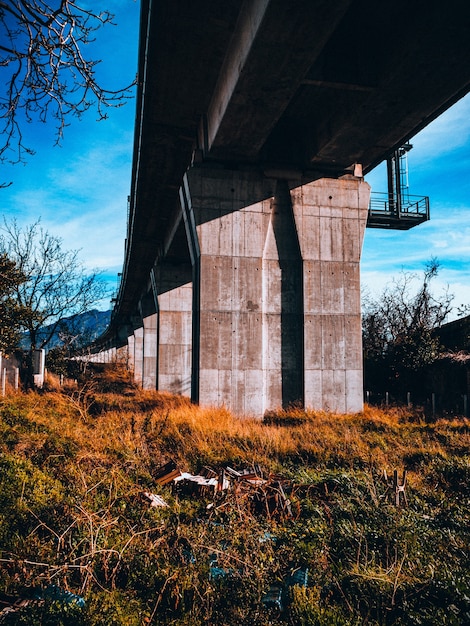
[45, 72]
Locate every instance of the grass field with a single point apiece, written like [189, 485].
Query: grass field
[320, 542]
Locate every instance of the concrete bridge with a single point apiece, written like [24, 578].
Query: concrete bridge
[255, 123]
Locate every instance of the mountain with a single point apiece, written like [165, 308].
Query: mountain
[83, 328]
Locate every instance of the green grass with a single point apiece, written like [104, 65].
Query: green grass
[74, 466]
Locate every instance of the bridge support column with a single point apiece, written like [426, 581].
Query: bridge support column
[174, 357]
[226, 234]
[122, 355]
[131, 353]
[138, 355]
[149, 355]
[276, 300]
[331, 217]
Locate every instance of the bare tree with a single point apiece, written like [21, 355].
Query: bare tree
[44, 69]
[398, 330]
[57, 284]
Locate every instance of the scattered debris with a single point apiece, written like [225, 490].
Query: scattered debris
[155, 500]
[167, 473]
[12, 604]
[266, 495]
[271, 499]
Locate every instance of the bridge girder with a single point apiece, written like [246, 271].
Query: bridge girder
[311, 86]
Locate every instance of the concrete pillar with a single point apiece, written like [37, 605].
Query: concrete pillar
[276, 300]
[138, 355]
[227, 230]
[174, 358]
[149, 373]
[39, 360]
[122, 355]
[131, 353]
[331, 218]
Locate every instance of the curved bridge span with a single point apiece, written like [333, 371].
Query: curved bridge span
[255, 123]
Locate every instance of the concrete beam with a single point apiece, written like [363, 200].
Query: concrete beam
[272, 48]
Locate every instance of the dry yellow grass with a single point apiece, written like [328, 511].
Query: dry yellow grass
[145, 427]
[82, 457]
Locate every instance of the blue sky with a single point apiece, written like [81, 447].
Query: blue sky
[79, 190]
[439, 167]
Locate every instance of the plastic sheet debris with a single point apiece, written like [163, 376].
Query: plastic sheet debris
[277, 595]
[188, 556]
[273, 598]
[217, 573]
[52, 592]
[12, 604]
[155, 500]
[298, 577]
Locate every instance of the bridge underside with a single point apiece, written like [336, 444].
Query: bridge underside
[247, 211]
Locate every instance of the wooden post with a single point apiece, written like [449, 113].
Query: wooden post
[408, 399]
[399, 489]
[394, 488]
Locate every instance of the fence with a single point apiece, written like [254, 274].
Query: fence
[434, 404]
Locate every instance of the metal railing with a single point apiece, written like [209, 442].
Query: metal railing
[389, 211]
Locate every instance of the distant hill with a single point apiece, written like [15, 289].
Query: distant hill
[84, 328]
